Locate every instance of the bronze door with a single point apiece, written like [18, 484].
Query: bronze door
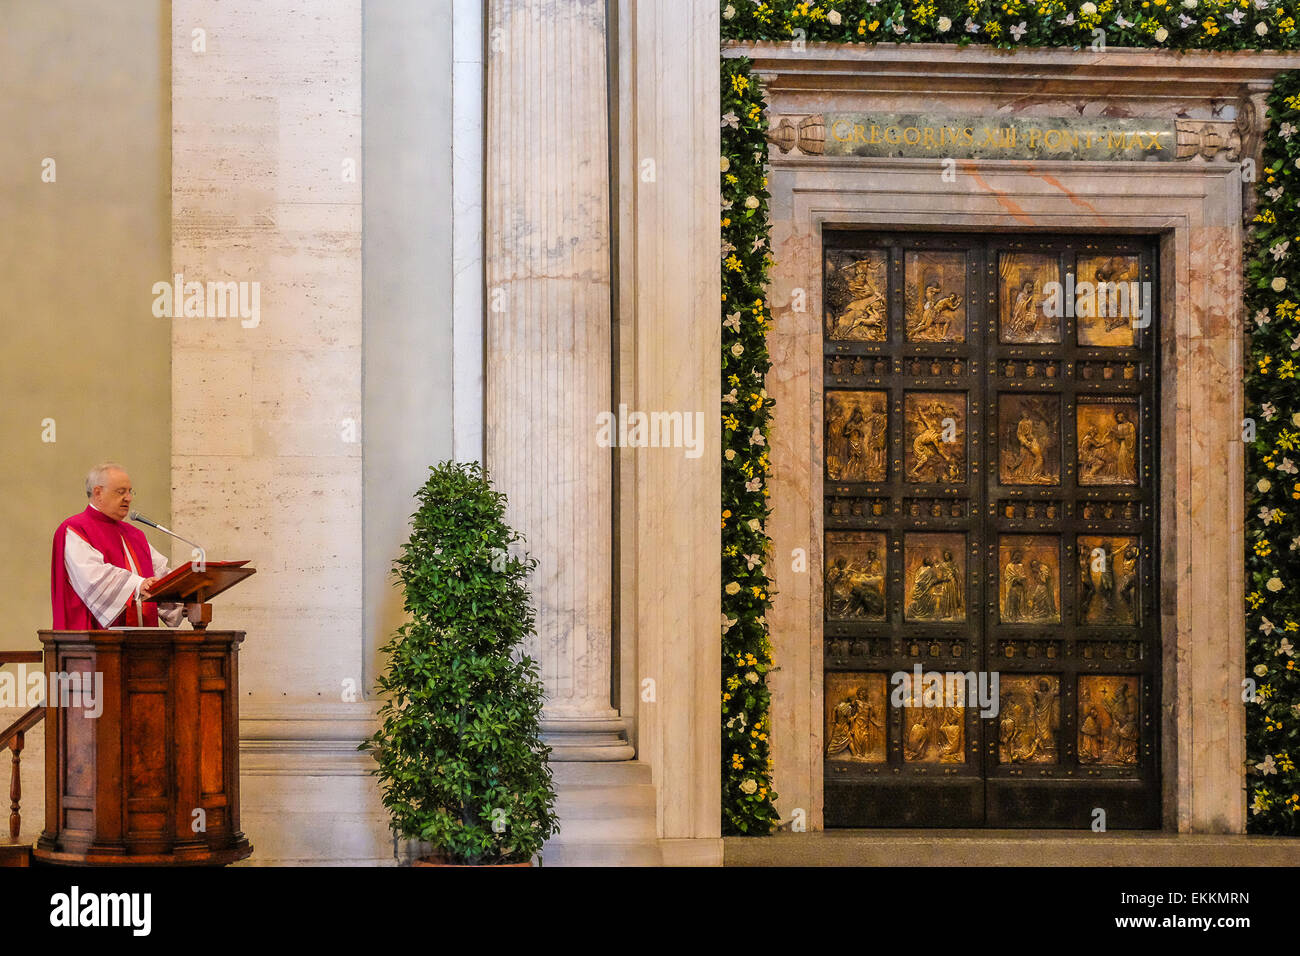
[989, 420]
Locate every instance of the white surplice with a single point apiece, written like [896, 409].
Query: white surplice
[105, 588]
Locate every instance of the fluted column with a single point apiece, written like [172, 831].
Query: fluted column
[547, 371]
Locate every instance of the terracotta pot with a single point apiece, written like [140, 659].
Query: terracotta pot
[437, 861]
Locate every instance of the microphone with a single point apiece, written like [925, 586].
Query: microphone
[201, 564]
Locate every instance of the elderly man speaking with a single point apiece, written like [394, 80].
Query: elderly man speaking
[102, 568]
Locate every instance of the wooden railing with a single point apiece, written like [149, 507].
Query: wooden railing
[13, 738]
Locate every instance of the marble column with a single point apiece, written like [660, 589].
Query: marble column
[548, 362]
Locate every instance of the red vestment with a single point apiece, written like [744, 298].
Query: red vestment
[106, 536]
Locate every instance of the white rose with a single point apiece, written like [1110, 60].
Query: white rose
[754, 525]
[1263, 485]
[834, 18]
[1295, 419]
[725, 164]
[751, 202]
[1279, 283]
[737, 349]
[733, 588]
[1261, 28]
[748, 785]
[1274, 584]
[1189, 4]
[728, 12]
[731, 454]
[1162, 35]
[1260, 670]
[1088, 9]
[751, 677]
[944, 24]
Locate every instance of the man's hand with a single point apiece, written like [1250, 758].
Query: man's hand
[145, 586]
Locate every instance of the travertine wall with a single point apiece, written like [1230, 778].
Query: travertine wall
[266, 452]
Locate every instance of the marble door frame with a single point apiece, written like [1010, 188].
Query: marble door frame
[1196, 211]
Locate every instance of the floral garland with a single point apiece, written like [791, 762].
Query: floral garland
[1273, 478]
[747, 797]
[1273, 485]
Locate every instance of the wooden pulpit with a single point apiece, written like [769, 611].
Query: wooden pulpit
[142, 752]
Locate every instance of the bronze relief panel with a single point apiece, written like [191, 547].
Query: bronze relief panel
[1109, 721]
[1109, 302]
[856, 291]
[935, 300]
[1029, 589]
[934, 575]
[1029, 718]
[1108, 579]
[1107, 437]
[1024, 298]
[1029, 445]
[856, 717]
[935, 437]
[857, 427]
[856, 565]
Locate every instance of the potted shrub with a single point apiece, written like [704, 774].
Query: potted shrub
[459, 747]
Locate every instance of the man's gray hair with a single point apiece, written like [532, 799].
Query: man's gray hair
[98, 475]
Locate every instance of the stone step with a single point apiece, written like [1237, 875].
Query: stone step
[600, 773]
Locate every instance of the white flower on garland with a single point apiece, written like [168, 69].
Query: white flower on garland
[1268, 411]
[1261, 28]
[1258, 804]
[1266, 515]
[1295, 344]
[1267, 627]
[732, 587]
[726, 204]
[1261, 670]
[1185, 21]
[1236, 16]
[724, 165]
[733, 323]
[730, 118]
[759, 243]
[728, 623]
[1261, 4]
[730, 398]
[738, 350]
[1286, 647]
[1286, 130]
[1274, 194]
[751, 202]
[1295, 419]
[728, 12]
[1089, 9]
[1278, 250]
[751, 677]
[900, 28]
[748, 785]
[1162, 35]
[751, 560]
[1018, 30]
[834, 18]
[1263, 485]
[1279, 284]
[756, 438]
[1266, 765]
[755, 525]
[972, 26]
[1295, 544]
[1122, 23]
[1261, 318]
[1068, 21]
[1286, 466]
[754, 484]
[1274, 584]
[727, 249]
[1189, 4]
[730, 454]
[944, 25]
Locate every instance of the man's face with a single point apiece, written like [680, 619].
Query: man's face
[114, 496]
